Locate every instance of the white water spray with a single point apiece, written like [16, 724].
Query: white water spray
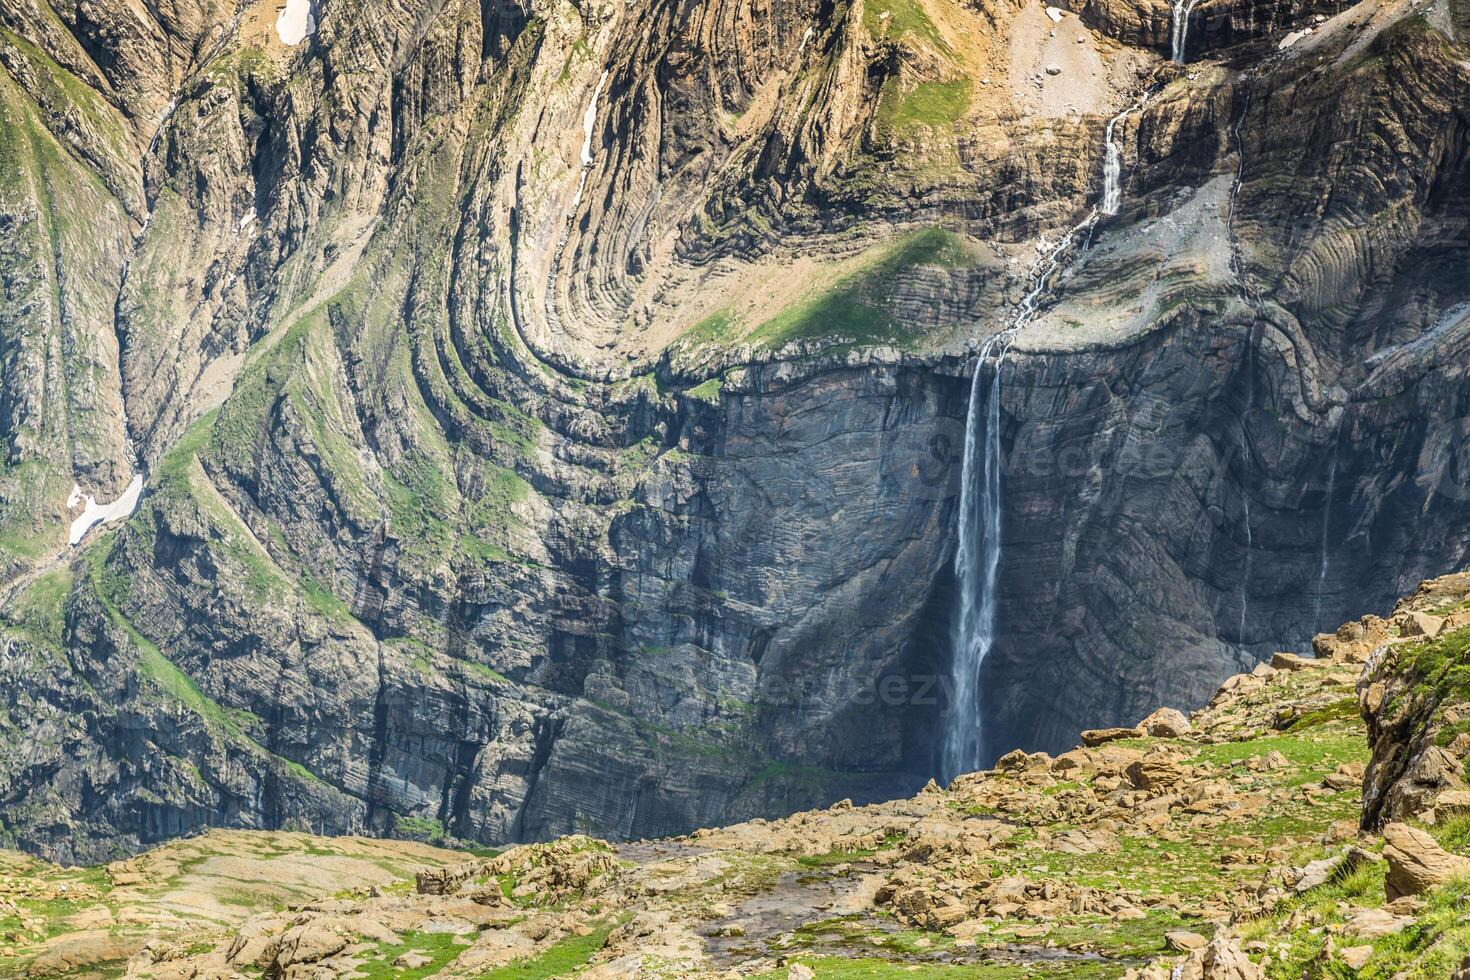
[977, 560]
[1179, 35]
[1322, 557]
[1112, 196]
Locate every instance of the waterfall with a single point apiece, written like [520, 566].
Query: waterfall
[977, 553]
[1322, 556]
[1245, 497]
[1245, 573]
[1179, 36]
[1112, 195]
[977, 559]
[1112, 198]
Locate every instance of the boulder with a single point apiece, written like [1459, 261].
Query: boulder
[1075, 762]
[1221, 959]
[1349, 775]
[1354, 642]
[71, 954]
[1372, 923]
[1452, 803]
[446, 881]
[1290, 661]
[412, 960]
[1416, 861]
[1165, 723]
[1101, 736]
[311, 942]
[1418, 624]
[1154, 773]
[1184, 941]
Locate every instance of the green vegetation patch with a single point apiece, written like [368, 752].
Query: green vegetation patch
[905, 109]
[856, 309]
[708, 390]
[563, 959]
[840, 856]
[439, 947]
[41, 609]
[843, 968]
[421, 829]
[1442, 666]
[895, 20]
[1298, 930]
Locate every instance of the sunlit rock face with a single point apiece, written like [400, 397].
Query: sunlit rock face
[550, 415]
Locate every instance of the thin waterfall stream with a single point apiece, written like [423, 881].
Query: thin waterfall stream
[978, 550]
[1323, 557]
[1245, 496]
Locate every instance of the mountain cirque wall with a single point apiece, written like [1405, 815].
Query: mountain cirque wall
[533, 450]
[1235, 843]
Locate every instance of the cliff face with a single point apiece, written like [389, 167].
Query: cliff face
[1221, 845]
[551, 414]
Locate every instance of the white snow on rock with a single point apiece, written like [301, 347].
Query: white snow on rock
[95, 513]
[589, 127]
[249, 218]
[295, 22]
[1292, 38]
[1054, 14]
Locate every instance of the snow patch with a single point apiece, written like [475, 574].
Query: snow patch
[295, 22]
[1292, 38]
[1054, 14]
[95, 513]
[75, 498]
[589, 127]
[249, 219]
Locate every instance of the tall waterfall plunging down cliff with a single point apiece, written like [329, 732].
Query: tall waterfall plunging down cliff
[977, 558]
[1324, 541]
[1112, 198]
[1179, 36]
[977, 553]
[1245, 496]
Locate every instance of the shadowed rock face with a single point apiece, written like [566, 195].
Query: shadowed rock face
[533, 450]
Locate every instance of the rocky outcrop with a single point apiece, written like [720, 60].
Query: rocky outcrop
[1417, 705]
[1416, 862]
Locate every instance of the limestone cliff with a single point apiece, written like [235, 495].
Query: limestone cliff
[1240, 842]
[550, 412]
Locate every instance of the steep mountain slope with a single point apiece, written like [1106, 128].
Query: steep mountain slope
[550, 413]
[1243, 842]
